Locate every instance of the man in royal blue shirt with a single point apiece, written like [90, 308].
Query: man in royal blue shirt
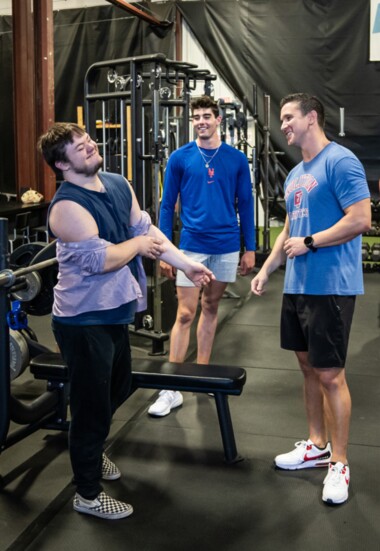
[212, 181]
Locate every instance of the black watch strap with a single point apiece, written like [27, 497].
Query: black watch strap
[309, 243]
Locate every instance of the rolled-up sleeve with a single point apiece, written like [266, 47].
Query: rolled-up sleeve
[142, 227]
[88, 255]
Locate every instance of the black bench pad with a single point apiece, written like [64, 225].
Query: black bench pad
[188, 377]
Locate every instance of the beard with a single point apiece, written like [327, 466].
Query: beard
[89, 170]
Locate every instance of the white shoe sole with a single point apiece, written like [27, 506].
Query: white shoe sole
[330, 501]
[305, 465]
[106, 516]
[115, 476]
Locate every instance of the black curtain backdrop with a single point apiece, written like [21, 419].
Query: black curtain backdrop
[284, 46]
[86, 36]
[81, 37]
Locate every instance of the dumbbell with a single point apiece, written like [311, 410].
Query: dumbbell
[375, 252]
[373, 230]
[375, 210]
[365, 251]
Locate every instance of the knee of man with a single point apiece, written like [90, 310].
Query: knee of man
[332, 378]
[210, 303]
[185, 316]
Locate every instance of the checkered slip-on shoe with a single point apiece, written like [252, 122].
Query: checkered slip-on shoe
[102, 506]
[109, 469]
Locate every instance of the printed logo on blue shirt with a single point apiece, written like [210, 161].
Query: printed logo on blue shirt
[306, 181]
[298, 198]
[211, 172]
[298, 186]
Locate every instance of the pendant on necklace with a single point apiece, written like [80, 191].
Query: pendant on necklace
[207, 165]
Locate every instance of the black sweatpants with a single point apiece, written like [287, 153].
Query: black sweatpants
[99, 362]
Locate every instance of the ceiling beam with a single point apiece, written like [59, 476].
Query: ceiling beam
[139, 13]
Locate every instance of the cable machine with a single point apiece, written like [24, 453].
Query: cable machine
[139, 110]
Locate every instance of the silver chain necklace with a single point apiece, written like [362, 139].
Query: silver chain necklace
[203, 155]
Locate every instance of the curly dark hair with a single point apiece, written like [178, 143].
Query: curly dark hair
[205, 102]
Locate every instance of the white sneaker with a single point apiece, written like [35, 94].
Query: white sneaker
[335, 485]
[167, 400]
[304, 456]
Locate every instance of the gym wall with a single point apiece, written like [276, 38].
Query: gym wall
[81, 37]
[315, 46]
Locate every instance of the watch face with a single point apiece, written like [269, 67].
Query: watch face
[308, 241]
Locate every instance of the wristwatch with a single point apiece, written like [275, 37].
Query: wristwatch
[309, 243]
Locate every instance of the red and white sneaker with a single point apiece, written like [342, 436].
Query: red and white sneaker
[336, 483]
[305, 456]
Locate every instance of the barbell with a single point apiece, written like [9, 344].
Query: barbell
[34, 277]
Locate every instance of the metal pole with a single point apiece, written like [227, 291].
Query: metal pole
[266, 245]
[256, 165]
[4, 339]
[157, 306]
[123, 125]
[104, 136]
[341, 121]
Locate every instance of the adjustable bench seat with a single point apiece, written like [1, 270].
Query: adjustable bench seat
[187, 377]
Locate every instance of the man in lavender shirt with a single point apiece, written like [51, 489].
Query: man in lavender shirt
[101, 235]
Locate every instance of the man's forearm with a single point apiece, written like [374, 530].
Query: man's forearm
[172, 255]
[278, 256]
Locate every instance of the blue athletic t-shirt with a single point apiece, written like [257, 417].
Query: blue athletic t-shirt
[316, 194]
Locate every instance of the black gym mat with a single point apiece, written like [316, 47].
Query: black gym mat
[185, 497]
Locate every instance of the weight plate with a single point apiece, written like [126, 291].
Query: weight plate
[33, 288]
[18, 354]
[24, 254]
[42, 304]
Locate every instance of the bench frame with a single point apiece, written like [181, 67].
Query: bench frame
[221, 381]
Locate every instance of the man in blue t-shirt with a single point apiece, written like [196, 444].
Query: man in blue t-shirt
[328, 208]
[212, 181]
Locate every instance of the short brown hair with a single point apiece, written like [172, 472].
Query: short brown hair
[53, 143]
[205, 102]
[306, 104]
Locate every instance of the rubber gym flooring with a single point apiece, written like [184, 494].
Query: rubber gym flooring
[184, 496]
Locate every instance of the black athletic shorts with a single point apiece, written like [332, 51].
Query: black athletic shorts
[319, 325]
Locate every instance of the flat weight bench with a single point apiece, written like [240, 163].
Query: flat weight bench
[216, 379]
[219, 380]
